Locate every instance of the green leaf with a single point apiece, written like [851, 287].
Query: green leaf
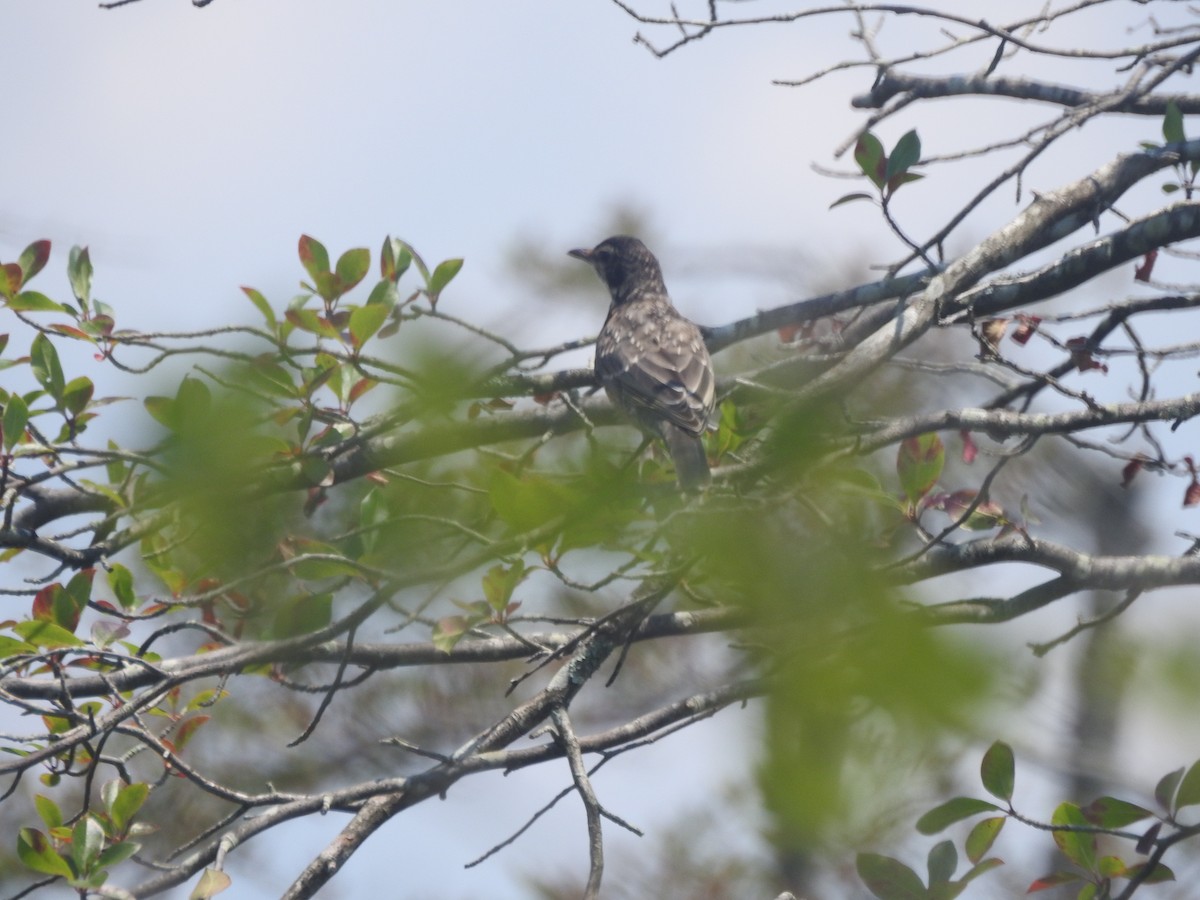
[952, 811]
[49, 811]
[982, 836]
[394, 259]
[1172, 127]
[905, 155]
[310, 321]
[919, 463]
[35, 851]
[315, 258]
[442, 276]
[499, 583]
[16, 417]
[117, 853]
[850, 198]
[352, 267]
[261, 304]
[79, 271]
[1158, 875]
[975, 871]
[43, 359]
[45, 634]
[128, 801]
[1164, 791]
[1109, 812]
[303, 615]
[998, 771]
[365, 321]
[33, 259]
[943, 860]
[34, 301]
[868, 153]
[528, 502]
[448, 631]
[1078, 847]
[211, 883]
[1189, 788]
[162, 409]
[87, 840]
[77, 394]
[10, 647]
[889, 879]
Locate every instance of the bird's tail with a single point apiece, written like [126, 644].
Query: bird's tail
[691, 462]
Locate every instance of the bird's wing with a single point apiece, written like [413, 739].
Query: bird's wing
[659, 365]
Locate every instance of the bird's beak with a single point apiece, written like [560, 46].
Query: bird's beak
[585, 255]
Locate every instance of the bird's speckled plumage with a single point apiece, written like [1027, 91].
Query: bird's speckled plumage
[652, 361]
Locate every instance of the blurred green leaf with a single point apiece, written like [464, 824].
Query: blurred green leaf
[982, 836]
[1172, 127]
[889, 879]
[442, 276]
[905, 155]
[365, 321]
[16, 417]
[79, 272]
[1189, 788]
[352, 267]
[852, 197]
[315, 258]
[946, 814]
[868, 153]
[77, 394]
[919, 463]
[33, 259]
[45, 634]
[942, 861]
[43, 359]
[998, 771]
[261, 304]
[1109, 812]
[499, 582]
[1164, 791]
[1078, 847]
[34, 301]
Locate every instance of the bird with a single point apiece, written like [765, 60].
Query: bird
[651, 361]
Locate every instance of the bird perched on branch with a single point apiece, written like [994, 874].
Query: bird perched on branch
[651, 361]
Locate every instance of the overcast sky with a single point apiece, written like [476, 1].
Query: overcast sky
[190, 149]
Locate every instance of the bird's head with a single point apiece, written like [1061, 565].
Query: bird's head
[625, 265]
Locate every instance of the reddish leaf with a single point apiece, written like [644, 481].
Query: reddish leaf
[1131, 469]
[11, 277]
[1026, 326]
[1054, 880]
[545, 399]
[1081, 355]
[969, 451]
[1192, 496]
[1142, 272]
[188, 729]
[34, 258]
